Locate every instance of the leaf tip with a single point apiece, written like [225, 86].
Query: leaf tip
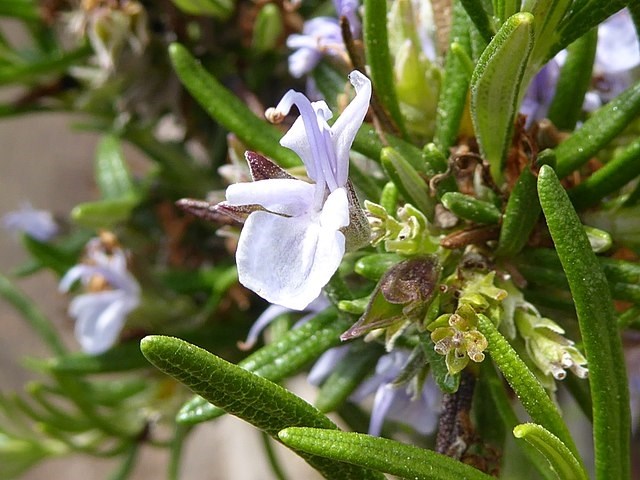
[519, 431]
[284, 435]
[175, 49]
[523, 18]
[148, 343]
[546, 171]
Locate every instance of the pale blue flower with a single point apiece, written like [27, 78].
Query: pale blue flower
[392, 401]
[326, 363]
[274, 311]
[100, 315]
[617, 55]
[38, 224]
[615, 66]
[399, 402]
[542, 88]
[632, 357]
[320, 36]
[289, 250]
[349, 10]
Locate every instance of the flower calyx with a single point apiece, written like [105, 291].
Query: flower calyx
[549, 350]
[406, 235]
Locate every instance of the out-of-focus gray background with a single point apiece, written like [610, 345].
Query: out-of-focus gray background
[45, 163]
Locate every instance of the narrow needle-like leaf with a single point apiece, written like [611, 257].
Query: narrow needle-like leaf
[495, 88]
[380, 454]
[597, 320]
[264, 404]
[526, 386]
[556, 452]
[227, 109]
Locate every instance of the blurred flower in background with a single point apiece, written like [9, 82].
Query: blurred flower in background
[38, 224]
[617, 56]
[111, 27]
[111, 293]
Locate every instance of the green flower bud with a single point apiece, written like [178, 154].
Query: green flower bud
[267, 28]
[409, 235]
[417, 79]
[460, 340]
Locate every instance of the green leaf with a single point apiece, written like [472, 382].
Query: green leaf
[520, 215]
[77, 391]
[573, 82]
[616, 173]
[376, 41]
[470, 208]
[215, 8]
[29, 72]
[526, 386]
[554, 277]
[495, 88]
[368, 144]
[22, 9]
[364, 181]
[599, 240]
[229, 110]
[279, 359]
[34, 317]
[380, 454]
[408, 180]
[503, 9]
[111, 170]
[480, 18]
[104, 213]
[267, 29]
[542, 266]
[605, 123]
[547, 15]
[176, 449]
[180, 171]
[489, 421]
[121, 358]
[126, 356]
[556, 452]
[490, 380]
[264, 404]
[455, 85]
[375, 265]
[127, 463]
[597, 320]
[48, 412]
[18, 455]
[436, 163]
[50, 255]
[583, 16]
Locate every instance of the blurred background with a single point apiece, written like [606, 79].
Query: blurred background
[45, 162]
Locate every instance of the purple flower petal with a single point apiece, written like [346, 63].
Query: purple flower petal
[38, 224]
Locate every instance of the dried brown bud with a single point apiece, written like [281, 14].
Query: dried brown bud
[413, 280]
